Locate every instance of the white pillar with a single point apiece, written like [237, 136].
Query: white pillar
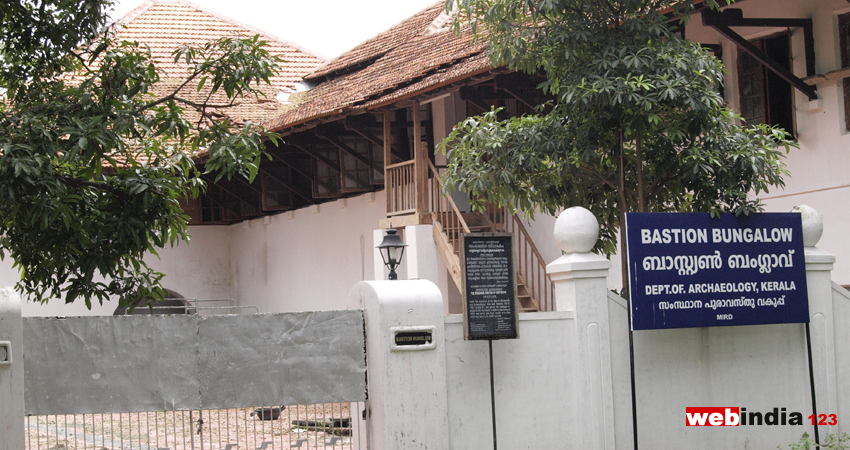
[407, 383]
[821, 318]
[380, 269]
[580, 279]
[421, 253]
[11, 371]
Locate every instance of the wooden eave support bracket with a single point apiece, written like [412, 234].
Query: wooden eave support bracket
[510, 85]
[733, 17]
[286, 185]
[316, 155]
[342, 146]
[235, 195]
[281, 158]
[470, 94]
[355, 126]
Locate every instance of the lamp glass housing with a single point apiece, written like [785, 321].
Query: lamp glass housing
[392, 249]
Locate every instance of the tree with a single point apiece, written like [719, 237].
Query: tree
[98, 146]
[637, 124]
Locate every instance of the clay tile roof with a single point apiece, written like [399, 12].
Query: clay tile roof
[165, 25]
[473, 65]
[422, 62]
[380, 44]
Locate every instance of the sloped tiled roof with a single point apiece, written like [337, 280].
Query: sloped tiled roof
[165, 25]
[380, 44]
[422, 62]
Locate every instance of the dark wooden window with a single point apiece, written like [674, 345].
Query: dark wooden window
[276, 195]
[355, 172]
[377, 155]
[844, 38]
[327, 178]
[239, 201]
[192, 208]
[212, 205]
[765, 97]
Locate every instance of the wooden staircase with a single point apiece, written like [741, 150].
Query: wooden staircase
[535, 291]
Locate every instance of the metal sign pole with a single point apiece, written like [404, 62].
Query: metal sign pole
[634, 395]
[492, 393]
[812, 382]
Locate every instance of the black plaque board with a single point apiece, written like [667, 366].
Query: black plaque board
[489, 291]
[405, 338]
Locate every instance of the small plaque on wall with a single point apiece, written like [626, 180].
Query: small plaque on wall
[489, 286]
[408, 338]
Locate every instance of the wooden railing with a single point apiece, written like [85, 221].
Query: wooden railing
[401, 188]
[531, 267]
[448, 222]
[449, 225]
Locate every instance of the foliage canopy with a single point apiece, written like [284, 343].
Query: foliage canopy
[637, 122]
[98, 146]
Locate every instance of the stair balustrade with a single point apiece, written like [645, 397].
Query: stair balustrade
[449, 224]
[531, 267]
[535, 288]
[401, 188]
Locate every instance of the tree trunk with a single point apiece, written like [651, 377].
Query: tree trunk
[641, 195]
[623, 206]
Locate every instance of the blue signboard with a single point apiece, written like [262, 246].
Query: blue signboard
[690, 270]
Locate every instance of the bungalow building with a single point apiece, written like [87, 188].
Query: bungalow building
[358, 155]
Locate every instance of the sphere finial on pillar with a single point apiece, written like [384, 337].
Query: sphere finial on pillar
[812, 224]
[576, 230]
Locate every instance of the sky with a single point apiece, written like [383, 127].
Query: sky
[325, 27]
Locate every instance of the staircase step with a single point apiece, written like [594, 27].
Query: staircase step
[450, 250]
[478, 222]
[527, 304]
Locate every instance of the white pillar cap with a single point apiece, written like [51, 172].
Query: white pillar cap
[576, 230]
[812, 224]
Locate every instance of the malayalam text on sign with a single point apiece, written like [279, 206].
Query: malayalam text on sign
[691, 270]
[489, 290]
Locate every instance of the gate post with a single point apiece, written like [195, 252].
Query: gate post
[821, 318]
[405, 364]
[11, 371]
[580, 279]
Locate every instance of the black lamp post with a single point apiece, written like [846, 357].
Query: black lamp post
[392, 248]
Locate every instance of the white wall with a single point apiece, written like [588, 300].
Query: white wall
[820, 168]
[538, 382]
[303, 260]
[836, 239]
[196, 269]
[199, 268]
[307, 259]
[536, 404]
[841, 309]
[55, 307]
[757, 367]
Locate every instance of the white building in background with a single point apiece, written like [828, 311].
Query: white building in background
[359, 143]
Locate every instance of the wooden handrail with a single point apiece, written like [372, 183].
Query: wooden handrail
[449, 225]
[400, 185]
[437, 190]
[401, 164]
[531, 266]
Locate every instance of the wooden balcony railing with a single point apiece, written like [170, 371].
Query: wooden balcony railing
[448, 222]
[401, 188]
[531, 267]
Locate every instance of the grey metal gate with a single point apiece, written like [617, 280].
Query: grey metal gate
[189, 381]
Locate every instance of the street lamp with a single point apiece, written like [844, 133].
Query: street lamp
[392, 248]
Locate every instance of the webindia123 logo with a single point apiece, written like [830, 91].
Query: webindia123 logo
[721, 416]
